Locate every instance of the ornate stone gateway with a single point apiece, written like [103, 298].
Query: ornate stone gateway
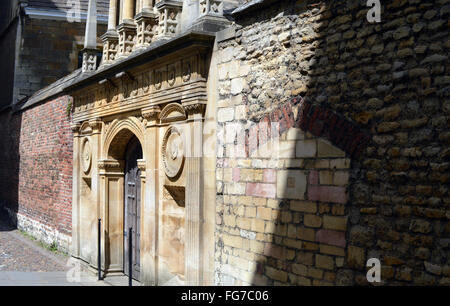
[159, 104]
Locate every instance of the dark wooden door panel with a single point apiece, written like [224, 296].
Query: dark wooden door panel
[132, 199]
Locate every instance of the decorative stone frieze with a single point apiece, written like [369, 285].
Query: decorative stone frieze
[169, 18]
[132, 89]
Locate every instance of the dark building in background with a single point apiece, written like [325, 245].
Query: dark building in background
[40, 42]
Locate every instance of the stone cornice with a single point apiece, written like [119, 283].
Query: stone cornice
[158, 49]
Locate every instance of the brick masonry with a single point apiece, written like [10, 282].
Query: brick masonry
[36, 176]
[361, 164]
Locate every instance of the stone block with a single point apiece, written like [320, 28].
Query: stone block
[291, 184]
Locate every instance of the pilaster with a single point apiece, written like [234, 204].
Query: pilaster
[194, 193]
[75, 247]
[150, 198]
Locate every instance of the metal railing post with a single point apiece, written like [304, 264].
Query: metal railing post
[130, 257]
[99, 259]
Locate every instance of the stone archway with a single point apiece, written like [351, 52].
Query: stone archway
[113, 193]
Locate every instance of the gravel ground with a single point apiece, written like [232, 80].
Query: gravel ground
[19, 253]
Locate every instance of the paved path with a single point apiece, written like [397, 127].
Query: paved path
[24, 262]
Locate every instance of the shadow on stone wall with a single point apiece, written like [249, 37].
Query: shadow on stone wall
[386, 80]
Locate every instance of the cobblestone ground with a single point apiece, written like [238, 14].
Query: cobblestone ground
[19, 253]
[23, 262]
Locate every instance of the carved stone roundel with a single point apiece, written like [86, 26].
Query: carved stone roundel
[172, 152]
[86, 156]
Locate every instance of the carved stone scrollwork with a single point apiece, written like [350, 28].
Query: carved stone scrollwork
[195, 108]
[96, 125]
[172, 152]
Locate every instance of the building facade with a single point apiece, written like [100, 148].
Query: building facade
[265, 142]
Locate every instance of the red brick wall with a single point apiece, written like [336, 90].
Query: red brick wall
[41, 185]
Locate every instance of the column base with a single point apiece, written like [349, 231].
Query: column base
[147, 26]
[127, 38]
[110, 45]
[89, 60]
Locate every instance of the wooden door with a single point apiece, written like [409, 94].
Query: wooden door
[132, 192]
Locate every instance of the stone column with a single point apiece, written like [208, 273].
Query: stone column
[112, 15]
[75, 247]
[128, 10]
[194, 193]
[147, 5]
[150, 203]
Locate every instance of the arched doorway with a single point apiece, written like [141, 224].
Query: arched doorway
[132, 206]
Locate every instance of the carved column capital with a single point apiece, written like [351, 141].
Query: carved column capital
[195, 108]
[76, 129]
[96, 125]
[151, 113]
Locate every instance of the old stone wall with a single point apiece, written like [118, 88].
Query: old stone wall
[363, 116]
[36, 170]
[49, 51]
